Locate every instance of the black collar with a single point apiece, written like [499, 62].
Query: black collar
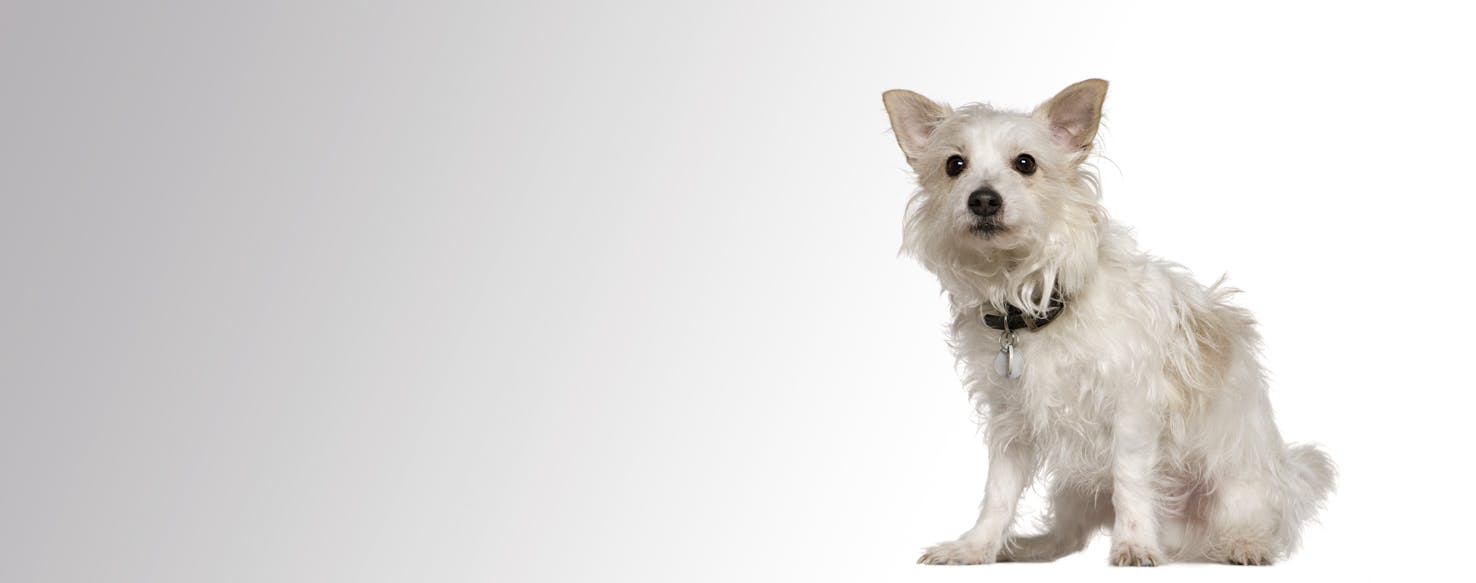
[1014, 318]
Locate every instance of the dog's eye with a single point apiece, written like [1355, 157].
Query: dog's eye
[955, 165]
[1025, 164]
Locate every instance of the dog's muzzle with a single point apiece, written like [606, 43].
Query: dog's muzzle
[985, 202]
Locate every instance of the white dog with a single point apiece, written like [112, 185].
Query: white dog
[1133, 388]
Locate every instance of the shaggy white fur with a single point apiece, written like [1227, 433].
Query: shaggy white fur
[1143, 404]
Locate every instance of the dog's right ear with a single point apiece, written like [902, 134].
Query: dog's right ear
[1075, 113]
[914, 118]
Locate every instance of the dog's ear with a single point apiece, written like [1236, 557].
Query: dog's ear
[914, 118]
[1074, 113]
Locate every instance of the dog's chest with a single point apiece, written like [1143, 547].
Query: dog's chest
[1062, 408]
[1057, 403]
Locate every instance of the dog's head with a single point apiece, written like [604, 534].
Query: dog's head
[1006, 210]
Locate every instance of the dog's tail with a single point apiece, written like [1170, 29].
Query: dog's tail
[1310, 477]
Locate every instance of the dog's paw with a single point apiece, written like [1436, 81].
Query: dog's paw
[960, 552]
[1247, 552]
[1135, 555]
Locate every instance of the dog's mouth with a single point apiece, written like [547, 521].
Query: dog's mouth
[987, 227]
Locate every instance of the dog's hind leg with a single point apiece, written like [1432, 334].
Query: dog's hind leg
[1256, 516]
[1244, 522]
[1075, 515]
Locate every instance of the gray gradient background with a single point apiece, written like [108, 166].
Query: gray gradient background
[316, 291]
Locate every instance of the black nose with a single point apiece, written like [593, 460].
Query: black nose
[985, 202]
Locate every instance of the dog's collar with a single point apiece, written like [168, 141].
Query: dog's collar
[1015, 319]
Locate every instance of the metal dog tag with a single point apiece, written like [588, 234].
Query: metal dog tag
[1008, 362]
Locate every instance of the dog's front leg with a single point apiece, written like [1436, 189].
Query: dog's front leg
[1135, 453]
[1009, 473]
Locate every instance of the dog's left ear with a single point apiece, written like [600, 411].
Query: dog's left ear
[914, 118]
[1074, 113]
